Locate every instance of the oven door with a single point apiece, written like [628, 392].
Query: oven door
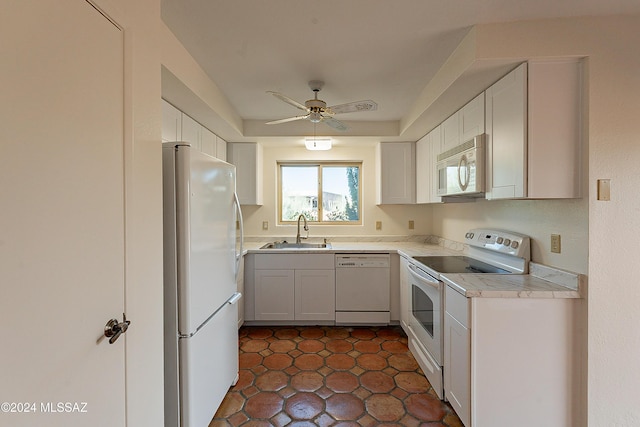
[426, 314]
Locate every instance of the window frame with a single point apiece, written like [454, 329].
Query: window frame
[320, 165]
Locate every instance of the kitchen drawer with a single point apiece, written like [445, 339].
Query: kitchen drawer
[457, 305]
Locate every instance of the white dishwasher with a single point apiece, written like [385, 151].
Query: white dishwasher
[362, 289]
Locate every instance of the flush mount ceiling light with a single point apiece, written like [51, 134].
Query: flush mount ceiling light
[318, 143]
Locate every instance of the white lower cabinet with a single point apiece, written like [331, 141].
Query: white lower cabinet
[523, 351]
[314, 295]
[457, 355]
[274, 294]
[305, 293]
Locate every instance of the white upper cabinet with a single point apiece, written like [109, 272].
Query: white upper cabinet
[221, 149]
[208, 142]
[396, 173]
[247, 157]
[471, 119]
[177, 126]
[451, 131]
[533, 132]
[171, 122]
[506, 135]
[427, 150]
[191, 131]
[464, 124]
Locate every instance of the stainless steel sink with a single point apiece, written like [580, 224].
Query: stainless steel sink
[287, 245]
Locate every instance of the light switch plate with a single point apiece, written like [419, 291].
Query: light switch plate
[604, 190]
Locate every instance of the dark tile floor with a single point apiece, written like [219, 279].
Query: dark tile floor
[330, 376]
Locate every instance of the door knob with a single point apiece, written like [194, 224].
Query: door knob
[113, 329]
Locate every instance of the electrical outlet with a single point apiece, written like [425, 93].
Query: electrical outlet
[265, 225]
[555, 243]
[378, 225]
[411, 225]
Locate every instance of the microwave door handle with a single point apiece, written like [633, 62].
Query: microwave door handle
[464, 163]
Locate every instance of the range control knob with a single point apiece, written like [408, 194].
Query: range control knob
[507, 242]
[500, 240]
[514, 245]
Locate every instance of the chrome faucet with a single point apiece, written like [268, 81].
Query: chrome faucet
[306, 228]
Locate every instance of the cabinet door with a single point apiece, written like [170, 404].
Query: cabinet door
[436, 149]
[397, 173]
[457, 367]
[451, 131]
[274, 294]
[315, 295]
[171, 122]
[427, 150]
[423, 169]
[472, 119]
[506, 124]
[221, 149]
[247, 157]
[207, 141]
[191, 132]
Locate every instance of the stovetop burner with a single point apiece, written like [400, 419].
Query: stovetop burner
[458, 264]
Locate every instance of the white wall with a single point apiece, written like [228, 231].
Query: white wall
[535, 218]
[394, 217]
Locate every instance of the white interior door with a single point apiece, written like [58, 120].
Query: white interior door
[62, 214]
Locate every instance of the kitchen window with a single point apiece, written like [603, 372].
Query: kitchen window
[326, 193]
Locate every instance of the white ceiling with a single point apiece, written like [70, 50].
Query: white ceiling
[384, 50]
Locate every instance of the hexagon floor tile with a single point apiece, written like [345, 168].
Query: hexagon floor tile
[330, 376]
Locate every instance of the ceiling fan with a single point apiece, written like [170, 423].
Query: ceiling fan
[316, 110]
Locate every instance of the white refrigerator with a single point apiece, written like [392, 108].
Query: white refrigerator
[200, 300]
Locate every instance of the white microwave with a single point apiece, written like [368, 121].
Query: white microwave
[461, 169]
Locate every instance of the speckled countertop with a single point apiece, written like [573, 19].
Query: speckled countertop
[541, 282]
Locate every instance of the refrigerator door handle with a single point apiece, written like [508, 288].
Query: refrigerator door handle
[234, 299]
[239, 255]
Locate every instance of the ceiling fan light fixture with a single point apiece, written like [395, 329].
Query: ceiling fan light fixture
[317, 143]
[315, 117]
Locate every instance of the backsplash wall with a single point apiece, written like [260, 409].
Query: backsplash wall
[535, 218]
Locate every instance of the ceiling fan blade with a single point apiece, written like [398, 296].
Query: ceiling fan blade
[352, 107]
[290, 119]
[288, 100]
[336, 124]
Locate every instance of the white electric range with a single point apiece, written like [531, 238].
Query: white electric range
[489, 252]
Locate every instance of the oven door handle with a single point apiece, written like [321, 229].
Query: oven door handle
[433, 283]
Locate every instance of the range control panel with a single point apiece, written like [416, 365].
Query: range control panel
[505, 242]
